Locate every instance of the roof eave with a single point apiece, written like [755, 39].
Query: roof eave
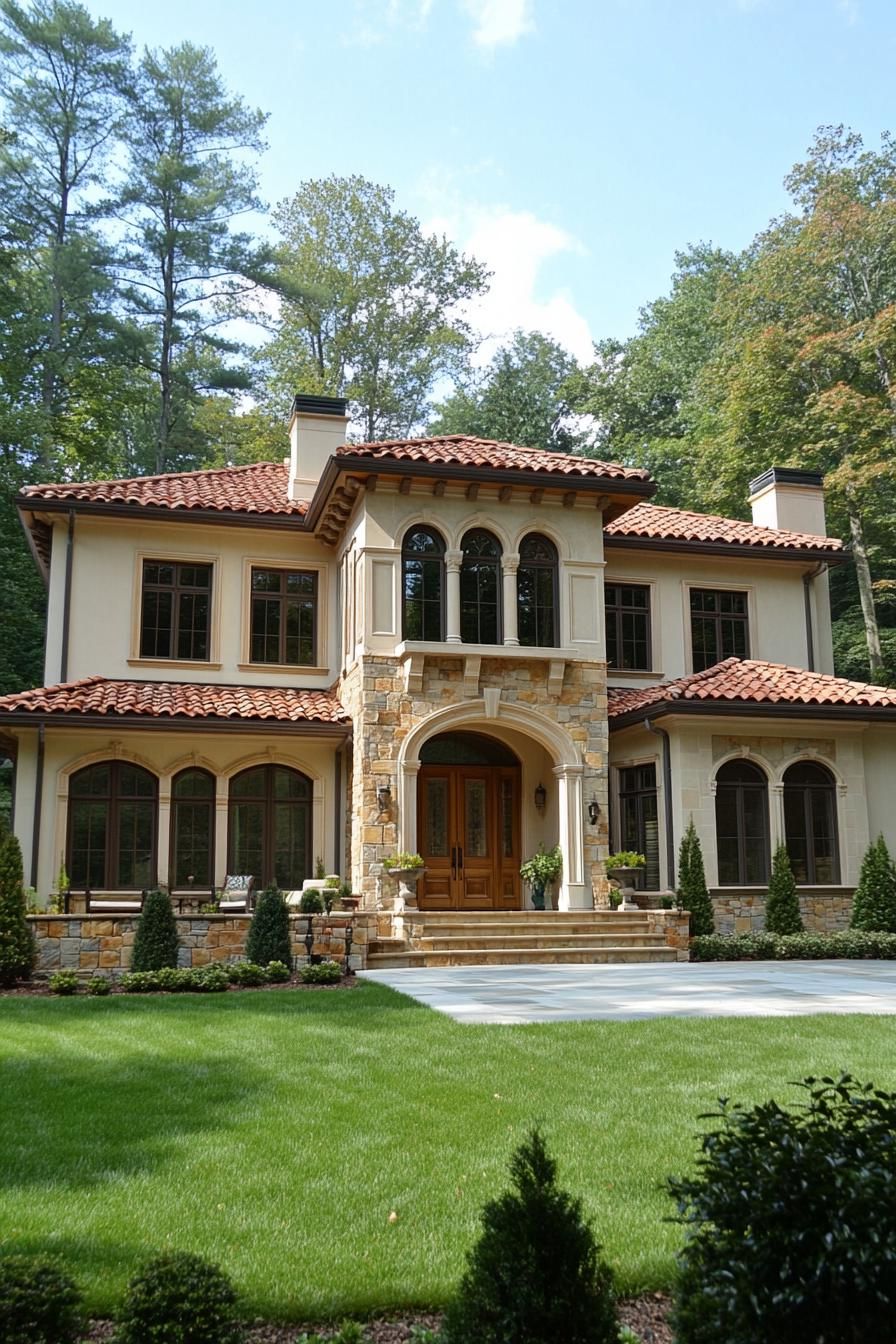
[731, 548]
[29, 503]
[166, 723]
[750, 709]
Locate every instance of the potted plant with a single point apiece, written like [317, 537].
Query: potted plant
[542, 869]
[623, 868]
[331, 891]
[407, 868]
[346, 899]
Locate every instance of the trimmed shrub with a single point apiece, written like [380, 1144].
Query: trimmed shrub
[535, 1276]
[278, 973]
[18, 951]
[247, 973]
[178, 1298]
[170, 979]
[692, 890]
[848, 944]
[782, 905]
[874, 902]
[269, 938]
[322, 973]
[98, 986]
[811, 1254]
[209, 979]
[155, 942]
[39, 1304]
[311, 903]
[64, 982]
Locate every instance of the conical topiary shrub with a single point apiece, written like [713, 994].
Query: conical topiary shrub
[782, 905]
[269, 938]
[874, 903]
[692, 890]
[18, 952]
[535, 1276]
[155, 944]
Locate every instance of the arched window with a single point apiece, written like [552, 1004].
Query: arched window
[112, 827]
[810, 823]
[742, 825]
[480, 588]
[423, 584]
[192, 829]
[269, 833]
[537, 595]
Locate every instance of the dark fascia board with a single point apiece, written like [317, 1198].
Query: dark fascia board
[289, 522]
[169, 723]
[734, 549]
[42, 568]
[754, 710]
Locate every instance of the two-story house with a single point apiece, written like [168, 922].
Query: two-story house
[451, 646]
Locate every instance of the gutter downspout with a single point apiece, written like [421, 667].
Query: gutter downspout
[338, 844]
[807, 598]
[38, 802]
[667, 799]
[67, 600]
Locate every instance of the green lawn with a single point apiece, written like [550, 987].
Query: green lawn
[276, 1131]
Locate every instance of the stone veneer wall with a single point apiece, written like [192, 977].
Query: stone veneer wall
[384, 711]
[745, 912]
[101, 944]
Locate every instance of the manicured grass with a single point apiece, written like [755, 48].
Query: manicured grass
[275, 1132]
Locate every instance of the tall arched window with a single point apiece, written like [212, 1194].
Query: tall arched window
[269, 833]
[537, 595]
[423, 584]
[742, 825]
[112, 827]
[192, 829]
[480, 588]
[810, 823]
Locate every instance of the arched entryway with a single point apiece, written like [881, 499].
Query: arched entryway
[468, 823]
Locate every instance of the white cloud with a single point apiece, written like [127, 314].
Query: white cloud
[500, 22]
[374, 20]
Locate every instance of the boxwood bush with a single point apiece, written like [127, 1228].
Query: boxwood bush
[39, 1304]
[849, 944]
[179, 1298]
[322, 973]
[64, 982]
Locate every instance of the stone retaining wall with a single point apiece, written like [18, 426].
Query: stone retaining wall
[101, 944]
[744, 912]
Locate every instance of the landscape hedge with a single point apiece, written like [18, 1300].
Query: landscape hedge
[851, 944]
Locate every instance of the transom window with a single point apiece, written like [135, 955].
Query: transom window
[283, 619]
[628, 626]
[269, 831]
[192, 829]
[742, 837]
[423, 584]
[480, 588]
[719, 626]
[810, 823]
[176, 610]
[537, 596]
[112, 827]
[638, 821]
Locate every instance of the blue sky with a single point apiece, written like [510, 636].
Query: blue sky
[572, 146]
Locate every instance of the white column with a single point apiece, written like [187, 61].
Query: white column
[219, 872]
[163, 840]
[777, 828]
[509, 566]
[453, 561]
[408, 840]
[574, 895]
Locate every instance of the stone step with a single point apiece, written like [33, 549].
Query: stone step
[620, 924]
[579, 956]
[446, 943]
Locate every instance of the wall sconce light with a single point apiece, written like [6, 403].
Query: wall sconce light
[593, 811]
[541, 797]
[384, 796]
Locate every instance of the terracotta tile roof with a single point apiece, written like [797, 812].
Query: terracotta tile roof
[461, 450]
[655, 523]
[744, 681]
[174, 700]
[256, 489]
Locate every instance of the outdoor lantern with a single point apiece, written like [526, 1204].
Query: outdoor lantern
[541, 797]
[309, 939]
[593, 811]
[384, 796]
[348, 948]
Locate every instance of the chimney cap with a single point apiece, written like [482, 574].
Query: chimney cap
[786, 476]
[319, 405]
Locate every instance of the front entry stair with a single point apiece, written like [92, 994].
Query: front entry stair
[520, 937]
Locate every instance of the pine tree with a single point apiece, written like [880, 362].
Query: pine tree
[874, 903]
[692, 889]
[536, 1275]
[782, 905]
[17, 950]
[269, 939]
[156, 943]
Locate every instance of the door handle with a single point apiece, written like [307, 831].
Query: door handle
[454, 860]
[460, 857]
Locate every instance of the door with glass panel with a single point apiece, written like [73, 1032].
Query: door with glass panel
[468, 833]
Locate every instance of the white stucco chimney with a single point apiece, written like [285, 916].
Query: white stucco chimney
[790, 498]
[317, 427]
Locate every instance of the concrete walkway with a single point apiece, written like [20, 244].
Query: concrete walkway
[515, 994]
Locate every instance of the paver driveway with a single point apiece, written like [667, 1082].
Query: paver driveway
[718, 989]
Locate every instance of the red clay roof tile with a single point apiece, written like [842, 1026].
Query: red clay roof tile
[463, 450]
[256, 489]
[656, 523]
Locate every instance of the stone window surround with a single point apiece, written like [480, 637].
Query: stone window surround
[177, 557]
[754, 643]
[321, 569]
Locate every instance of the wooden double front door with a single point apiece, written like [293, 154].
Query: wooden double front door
[468, 830]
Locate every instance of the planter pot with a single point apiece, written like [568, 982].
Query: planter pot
[624, 879]
[538, 895]
[407, 886]
[350, 902]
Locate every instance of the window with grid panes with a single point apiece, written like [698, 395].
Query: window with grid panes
[628, 626]
[283, 617]
[175, 616]
[719, 626]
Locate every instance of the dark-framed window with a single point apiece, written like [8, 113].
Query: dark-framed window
[112, 812]
[639, 820]
[720, 626]
[742, 837]
[192, 828]
[480, 588]
[810, 823]
[269, 825]
[538, 598]
[423, 584]
[283, 619]
[176, 610]
[627, 608]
